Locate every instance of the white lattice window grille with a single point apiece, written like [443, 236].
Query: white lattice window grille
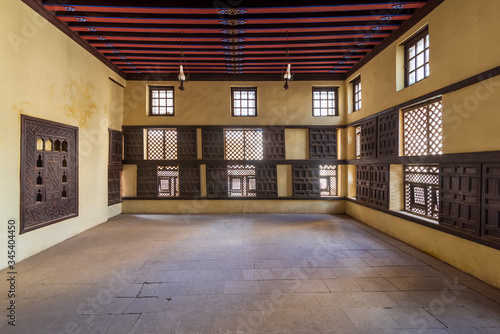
[324, 101]
[161, 101]
[328, 180]
[417, 58]
[422, 190]
[356, 87]
[241, 181]
[358, 142]
[423, 130]
[168, 181]
[244, 145]
[162, 144]
[244, 101]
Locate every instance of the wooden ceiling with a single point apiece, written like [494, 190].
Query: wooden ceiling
[233, 39]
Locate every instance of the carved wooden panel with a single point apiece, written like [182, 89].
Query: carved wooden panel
[147, 181]
[388, 134]
[363, 183]
[115, 147]
[49, 173]
[305, 181]
[133, 143]
[186, 143]
[491, 201]
[323, 143]
[114, 185]
[213, 143]
[267, 181]
[189, 181]
[217, 182]
[460, 195]
[379, 186]
[369, 139]
[273, 139]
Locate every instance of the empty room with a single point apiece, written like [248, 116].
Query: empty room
[237, 166]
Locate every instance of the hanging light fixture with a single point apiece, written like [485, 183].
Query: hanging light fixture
[182, 77]
[287, 75]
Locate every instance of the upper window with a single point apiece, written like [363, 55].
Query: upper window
[244, 101]
[244, 145]
[423, 129]
[325, 101]
[356, 94]
[161, 101]
[162, 144]
[417, 58]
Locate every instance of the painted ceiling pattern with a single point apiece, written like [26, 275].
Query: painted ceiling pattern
[249, 37]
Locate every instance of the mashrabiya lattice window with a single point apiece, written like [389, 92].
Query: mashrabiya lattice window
[244, 101]
[417, 58]
[162, 144]
[168, 181]
[241, 181]
[328, 180]
[358, 141]
[422, 190]
[244, 144]
[423, 130]
[161, 101]
[324, 101]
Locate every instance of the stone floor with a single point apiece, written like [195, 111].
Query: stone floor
[245, 274]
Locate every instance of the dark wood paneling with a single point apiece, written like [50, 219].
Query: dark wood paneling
[267, 181]
[186, 143]
[217, 181]
[147, 181]
[133, 142]
[189, 181]
[491, 201]
[379, 186]
[460, 194]
[273, 140]
[213, 143]
[114, 185]
[49, 173]
[369, 139]
[363, 183]
[388, 135]
[323, 143]
[306, 181]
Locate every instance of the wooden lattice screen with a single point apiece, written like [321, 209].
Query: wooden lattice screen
[323, 143]
[460, 198]
[422, 190]
[243, 145]
[114, 167]
[328, 180]
[423, 132]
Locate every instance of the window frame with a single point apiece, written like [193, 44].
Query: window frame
[150, 111]
[355, 82]
[421, 34]
[165, 151]
[327, 89]
[243, 89]
[245, 181]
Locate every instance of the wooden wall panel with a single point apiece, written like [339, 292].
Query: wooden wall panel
[379, 186]
[213, 143]
[133, 142]
[189, 181]
[273, 139]
[305, 181]
[323, 143]
[267, 181]
[147, 181]
[491, 201]
[388, 135]
[369, 139]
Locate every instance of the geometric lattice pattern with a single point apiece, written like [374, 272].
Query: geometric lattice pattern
[324, 101]
[460, 197]
[328, 180]
[422, 190]
[241, 181]
[244, 101]
[358, 142]
[423, 130]
[162, 144]
[161, 101]
[244, 145]
[417, 55]
[168, 181]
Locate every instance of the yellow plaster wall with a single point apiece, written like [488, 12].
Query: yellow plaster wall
[47, 75]
[478, 260]
[297, 143]
[233, 206]
[457, 31]
[209, 103]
